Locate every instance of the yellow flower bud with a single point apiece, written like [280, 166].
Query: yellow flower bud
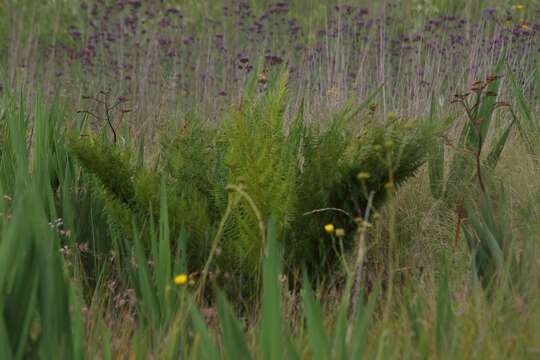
[329, 228]
[181, 279]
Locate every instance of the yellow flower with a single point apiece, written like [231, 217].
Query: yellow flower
[340, 232]
[389, 186]
[520, 7]
[525, 27]
[181, 279]
[329, 228]
[363, 175]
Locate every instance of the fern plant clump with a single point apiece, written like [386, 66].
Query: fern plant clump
[230, 179]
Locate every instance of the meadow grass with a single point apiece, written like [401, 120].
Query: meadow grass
[256, 179]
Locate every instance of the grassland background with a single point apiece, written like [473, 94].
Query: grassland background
[74, 285]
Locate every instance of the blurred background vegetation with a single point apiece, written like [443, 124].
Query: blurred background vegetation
[261, 179]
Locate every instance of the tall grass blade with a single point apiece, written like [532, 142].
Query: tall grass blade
[436, 159]
[318, 339]
[272, 346]
[209, 349]
[339, 344]
[495, 153]
[362, 322]
[485, 111]
[163, 262]
[444, 314]
[149, 302]
[521, 100]
[529, 128]
[234, 343]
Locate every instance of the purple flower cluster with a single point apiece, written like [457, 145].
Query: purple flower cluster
[139, 44]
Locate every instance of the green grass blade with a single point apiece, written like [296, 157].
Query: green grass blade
[496, 151]
[233, 338]
[415, 312]
[163, 266]
[209, 349]
[292, 352]
[5, 348]
[339, 346]
[318, 339]
[488, 104]
[362, 322]
[106, 347]
[436, 159]
[149, 301]
[271, 326]
[443, 312]
[530, 124]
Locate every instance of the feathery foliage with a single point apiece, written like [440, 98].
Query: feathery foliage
[264, 170]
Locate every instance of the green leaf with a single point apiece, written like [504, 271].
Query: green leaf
[149, 301]
[5, 348]
[209, 349]
[443, 312]
[233, 338]
[318, 340]
[271, 327]
[495, 153]
[339, 347]
[106, 352]
[436, 159]
[520, 97]
[292, 353]
[163, 265]
[362, 322]
[488, 103]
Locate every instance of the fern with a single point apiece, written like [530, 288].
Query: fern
[258, 157]
[132, 193]
[282, 174]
